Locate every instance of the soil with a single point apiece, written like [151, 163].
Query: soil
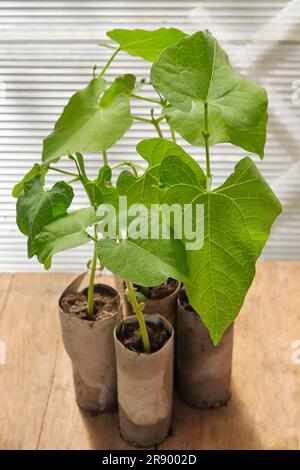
[106, 303]
[184, 301]
[130, 335]
[161, 291]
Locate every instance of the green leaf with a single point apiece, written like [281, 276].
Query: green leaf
[238, 218]
[37, 208]
[145, 44]
[146, 262]
[124, 84]
[143, 190]
[101, 191]
[196, 71]
[190, 125]
[85, 126]
[34, 171]
[62, 234]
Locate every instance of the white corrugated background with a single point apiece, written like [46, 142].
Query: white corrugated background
[48, 48]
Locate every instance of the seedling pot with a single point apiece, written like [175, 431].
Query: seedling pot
[145, 387]
[90, 346]
[166, 306]
[203, 369]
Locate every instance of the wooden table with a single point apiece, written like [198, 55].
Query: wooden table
[37, 406]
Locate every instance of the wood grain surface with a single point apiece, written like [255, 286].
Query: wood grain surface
[38, 410]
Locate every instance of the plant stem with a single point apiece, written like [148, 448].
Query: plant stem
[141, 119]
[138, 97]
[134, 170]
[90, 308]
[77, 166]
[206, 138]
[63, 171]
[104, 154]
[138, 310]
[108, 63]
[156, 125]
[107, 45]
[132, 165]
[73, 180]
[173, 135]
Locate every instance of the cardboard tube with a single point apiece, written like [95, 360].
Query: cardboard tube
[90, 346]
[145, 388]
[203, 369]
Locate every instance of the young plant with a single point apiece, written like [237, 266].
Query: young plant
[207, 103]
[93, 120]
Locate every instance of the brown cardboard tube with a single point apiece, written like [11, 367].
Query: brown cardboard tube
[90, 346]
[203, 369]
[145, 389]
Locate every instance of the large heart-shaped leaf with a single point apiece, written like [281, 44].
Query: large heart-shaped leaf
[196, 71]
[87, 126]
[37, 208]
[145, 44]
[238, 218]
[143, 189]
[62, 234]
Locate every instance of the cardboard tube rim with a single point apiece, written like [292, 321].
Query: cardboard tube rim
[74, 287]
[147, 315]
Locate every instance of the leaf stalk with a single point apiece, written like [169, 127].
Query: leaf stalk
[108, 63]
[155, 122]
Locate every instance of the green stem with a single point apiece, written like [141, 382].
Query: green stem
[104, 154]
[156, 125]
[132, 165]
[138, 310]
[134, 170]
[108, 63]
[138, 97]
[63, 171]
[205, 134]
[173, 135]
[141, 119]
[77, 166]
[73, 180]
[107, 45]
[90, 308]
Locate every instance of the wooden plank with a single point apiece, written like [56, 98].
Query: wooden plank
[264, 411]
[65, 425]
[28, 326]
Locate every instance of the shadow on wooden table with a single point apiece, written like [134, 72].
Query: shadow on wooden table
[103, 431]
[225, 428]
[228, 427]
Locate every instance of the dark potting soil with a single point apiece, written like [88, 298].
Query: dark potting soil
[161, 291]
[184, 301]
[130, 335]
[75, 304]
